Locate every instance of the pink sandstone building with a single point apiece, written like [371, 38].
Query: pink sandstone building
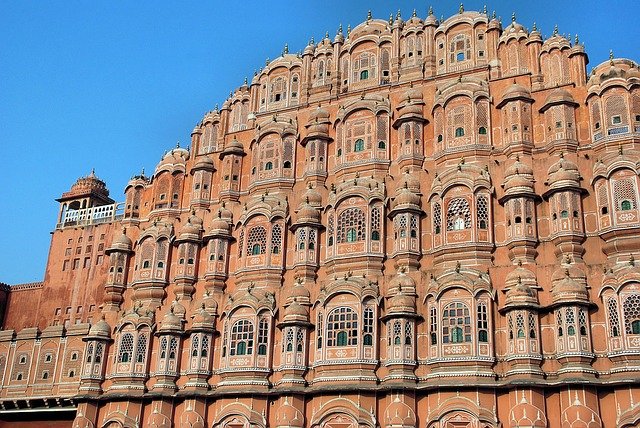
[415, 223]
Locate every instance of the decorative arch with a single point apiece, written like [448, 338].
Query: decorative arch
[342, 410]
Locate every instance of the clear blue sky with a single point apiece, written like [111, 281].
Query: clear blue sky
[82, 83]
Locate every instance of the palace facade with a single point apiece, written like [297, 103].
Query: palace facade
[417, 223]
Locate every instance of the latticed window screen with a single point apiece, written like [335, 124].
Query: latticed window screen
[625, 190]
[299, 340]
[195, 345]
[276, 239]
[173, 346]
[614, 318]
[408, 332]
[240, 243]
[458, 214]
[287, 344]
[381, 130]
[302, 235]
[164, 343]
[510, 326]
[351, 223]
[320, 330]
[241, 338]
[257, 241]
[437, 217]
[631, 311]
[532, 326]
[582, 321]
[456, 323]
[99, 351]
[342, 327]
[520, 326]
[375, 223]
[141, 351]
[570, 319]
[204, 349]
[330, 230]
[126, 348]
[615, 106]
[603, 199]
[312, 239]
[483, 212]
[595, 114]
[559, 322]
[397, 331]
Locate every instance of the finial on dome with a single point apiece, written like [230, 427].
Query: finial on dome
[93, 172]
[339, 29]
[620, 151]
[577, 42]
[390, 18]
[430, 10]
[461, 9]
[245, 80]
[414, 14]
[493, 15]
[286, 49]
[255, 72]
[534, 28]
[398, 16]
[369, 15]
[215, 108]
[178, 144]
[513, 17]
[555, 30]
[348, 30]
[326, 34]
[611, 56]
[142, 172]
[266, 61]
[484, 9]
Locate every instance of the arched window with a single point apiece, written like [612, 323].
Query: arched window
[564, 214]
[351, 225]
[257, 241]
[456, 323]
[375, 235]
[364, 74]
[482, 130]
[458, 214]
[631, 311]
[483, 323]
[625, 205]
[141, 351]
[126, 348]
[241, 338]
[358, 146]
[433, 327]
[263, 336]
[268, 166]
[367, 339]
[460, 132]
[342, 327]
[382, 145]
[286, 164]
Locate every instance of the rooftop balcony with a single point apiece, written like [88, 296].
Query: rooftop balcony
[90, 216]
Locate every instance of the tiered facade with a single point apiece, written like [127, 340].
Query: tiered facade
[415, 224]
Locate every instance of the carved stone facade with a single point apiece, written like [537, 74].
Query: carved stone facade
[415, 224]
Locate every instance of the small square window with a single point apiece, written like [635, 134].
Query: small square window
[67, 252]
[616, 120]
[480, 54]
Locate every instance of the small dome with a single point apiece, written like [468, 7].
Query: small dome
[518, 182]
[300, 293]
[219, 226]
[411, 180]
[174, 157]
[402, 303]
[563, 172]
[171, 323]
[313, 197]
[204, 162]
[100, 330]
[234, 147]
[288, 416]
[120, 243]
[296, 310]
[406, 198]
[515, 92]
[558, 96]
[399, 414]
[402, 282]
[520, 275]
[521, 294]
[518, 168]
[569, 285]
[203, 320]
[192, 228]
[319, 115]
[308, 214]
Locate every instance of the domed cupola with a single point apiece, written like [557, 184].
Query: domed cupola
[99, 331]
[399, 415]
[513, 31]
[192, 229]
[569, 285]
[203, 321]
[515, 92]
[307, 215]
[317, 125]
[219, 227]
[520, 285]
[234, 147]
[518, 179]
[558, 96]
[171, 323]
[121, 243]
[173, 160]
[562, 175]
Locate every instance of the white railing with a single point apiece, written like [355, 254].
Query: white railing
[94, 215]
